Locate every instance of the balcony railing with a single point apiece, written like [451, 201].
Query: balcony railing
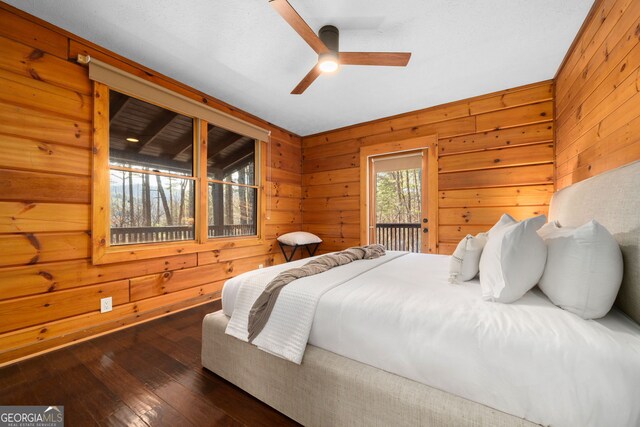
[130, 235]
[399, 236]
[394, 236]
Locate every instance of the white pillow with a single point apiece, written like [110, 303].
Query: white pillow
[584, 268]
[465, 261]
[513, 260]
[299, 238]
[504, 221]
[548, 229]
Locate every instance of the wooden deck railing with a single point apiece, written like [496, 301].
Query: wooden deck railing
[399, 236]
[394, 236]
[130, 235]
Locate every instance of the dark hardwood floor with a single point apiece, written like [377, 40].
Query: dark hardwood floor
[146, 375]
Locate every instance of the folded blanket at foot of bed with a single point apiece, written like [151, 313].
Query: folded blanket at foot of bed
[263, 306]
[286, 330]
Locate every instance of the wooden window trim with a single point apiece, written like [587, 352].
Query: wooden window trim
[103, 252]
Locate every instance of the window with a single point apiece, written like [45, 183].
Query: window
[152, 184]
[231, 168]
[170, 175]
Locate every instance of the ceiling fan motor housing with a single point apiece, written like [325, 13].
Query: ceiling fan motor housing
[330, 37]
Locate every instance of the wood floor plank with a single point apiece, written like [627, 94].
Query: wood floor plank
[247, 409]
[164, 415]
[140, 399]
[16, 395]
[195, 409]
[123, 417]
[147, 375]
[11, 376]
[49, 390]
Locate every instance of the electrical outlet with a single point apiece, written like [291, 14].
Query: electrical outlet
[260, 266]
[106, 304]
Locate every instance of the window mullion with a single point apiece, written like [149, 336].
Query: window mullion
[200, 166]
[151, 172]
[235, 184]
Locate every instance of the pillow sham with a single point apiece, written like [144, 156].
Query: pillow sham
[513, 260]
[299, 238]
[465, 261]
[584, 268]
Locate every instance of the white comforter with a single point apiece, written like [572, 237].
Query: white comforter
[530, 358]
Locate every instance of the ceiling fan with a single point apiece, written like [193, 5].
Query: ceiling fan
[326, 46]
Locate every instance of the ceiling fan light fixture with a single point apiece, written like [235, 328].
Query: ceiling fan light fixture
[327, 45]
[328, 62]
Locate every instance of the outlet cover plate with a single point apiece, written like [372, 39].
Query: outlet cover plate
[106, 305]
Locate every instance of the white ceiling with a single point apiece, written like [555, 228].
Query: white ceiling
[242, 52]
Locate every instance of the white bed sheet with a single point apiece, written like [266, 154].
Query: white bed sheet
[530, 358]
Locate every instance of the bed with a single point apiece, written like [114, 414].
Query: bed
[444, 356]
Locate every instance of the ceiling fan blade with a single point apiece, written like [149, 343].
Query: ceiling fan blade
[306, 82]
[299, 25]
[396, 59]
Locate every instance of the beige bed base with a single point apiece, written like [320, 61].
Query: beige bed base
[331, 390]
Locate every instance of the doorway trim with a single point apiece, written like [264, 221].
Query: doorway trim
[429, 143]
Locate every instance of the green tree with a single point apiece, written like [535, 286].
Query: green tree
[398, 196]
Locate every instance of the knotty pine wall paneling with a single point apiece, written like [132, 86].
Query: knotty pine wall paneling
[495, 156]
[49, 289]
[598, 94]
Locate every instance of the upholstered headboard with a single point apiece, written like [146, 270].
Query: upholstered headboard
[612, 199]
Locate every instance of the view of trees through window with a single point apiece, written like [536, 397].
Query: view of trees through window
[141, 201]
[398, 209]
[152, 180]
[152, 183]
[233, 208]
[398, 196]
[231, 176]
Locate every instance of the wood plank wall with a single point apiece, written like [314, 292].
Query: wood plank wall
[598, 94]
[495, 156]
[49, 290]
